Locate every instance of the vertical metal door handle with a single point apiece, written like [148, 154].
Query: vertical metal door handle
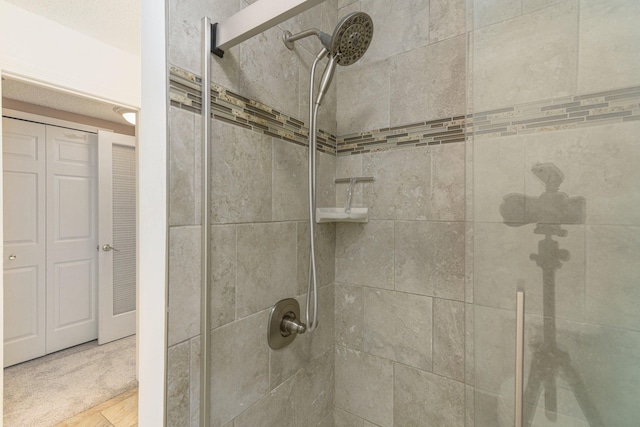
[519, 377]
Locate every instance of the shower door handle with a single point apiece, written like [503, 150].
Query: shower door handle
[519, 376]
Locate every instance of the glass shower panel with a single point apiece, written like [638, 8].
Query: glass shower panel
[556, 211]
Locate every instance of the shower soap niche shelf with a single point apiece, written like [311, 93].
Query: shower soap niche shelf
[340, 215]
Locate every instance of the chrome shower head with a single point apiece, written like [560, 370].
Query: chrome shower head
[351, 38]
[349, 42]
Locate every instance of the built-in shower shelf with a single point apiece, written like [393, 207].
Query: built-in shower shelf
[340, 215]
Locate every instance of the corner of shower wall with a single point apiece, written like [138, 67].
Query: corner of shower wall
[258, 231]
[402, 117]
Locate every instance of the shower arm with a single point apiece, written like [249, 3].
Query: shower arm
[289, 38]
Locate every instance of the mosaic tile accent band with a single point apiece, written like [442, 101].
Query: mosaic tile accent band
[570, 112]
[229, 107]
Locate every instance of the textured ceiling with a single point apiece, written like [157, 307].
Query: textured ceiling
[116, 22]
[21, 91]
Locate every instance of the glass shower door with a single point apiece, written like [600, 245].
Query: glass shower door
[555, 212]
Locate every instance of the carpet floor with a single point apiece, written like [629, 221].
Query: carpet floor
[45, 391]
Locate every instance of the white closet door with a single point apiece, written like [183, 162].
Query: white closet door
[23, 148]
[71, 238]
[117, 230]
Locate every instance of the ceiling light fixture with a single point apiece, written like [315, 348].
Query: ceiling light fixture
[127, 114]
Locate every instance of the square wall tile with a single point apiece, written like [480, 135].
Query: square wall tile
[399, 27]
[498, 171]
[315, 379]
[344, 419]
[266, 271]
[429, 82]
[446, 19]
[398, 326]
[430, 258]
[527, 58]
[422, 398]
[609, 40]
[364, 386]
[487, 12]
[290, 181]
[364, 254]
[447, 182]
[613, 276]
[267, 70]
[448, 339]
[402, 186]
[606, 360]
[241, 185]
[349, 316]
[325, 239]
[277, 408]
[363, 98]
[325, 180]
[239, 367]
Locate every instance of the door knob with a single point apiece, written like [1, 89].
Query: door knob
[108, 248]
[12, 257]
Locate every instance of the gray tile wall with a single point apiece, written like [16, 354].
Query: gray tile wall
[259, 235]
[548, 49]
[424, 292]
[400, 292]
[417, 244]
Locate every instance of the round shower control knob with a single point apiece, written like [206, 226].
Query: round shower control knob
[284, 324]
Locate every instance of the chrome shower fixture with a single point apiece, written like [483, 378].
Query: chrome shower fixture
[350, 40]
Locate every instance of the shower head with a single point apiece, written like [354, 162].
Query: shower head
[349, 41]
[351, 38]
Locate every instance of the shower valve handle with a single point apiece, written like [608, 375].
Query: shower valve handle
[291, 325]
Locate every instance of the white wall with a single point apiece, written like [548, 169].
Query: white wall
[152, 176]
[40, 50]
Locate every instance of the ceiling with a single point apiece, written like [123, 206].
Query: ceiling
[115, 22]
[45, 97]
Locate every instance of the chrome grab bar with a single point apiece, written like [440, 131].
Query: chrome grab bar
[519, 377]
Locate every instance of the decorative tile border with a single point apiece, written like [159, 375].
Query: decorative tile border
[229, 107]
[570, 112]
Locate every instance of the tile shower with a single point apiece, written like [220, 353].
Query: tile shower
[449, 111]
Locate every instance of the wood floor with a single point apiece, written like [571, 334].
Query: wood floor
[121, 411]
